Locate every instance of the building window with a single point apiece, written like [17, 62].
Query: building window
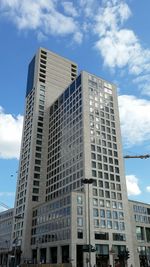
[95, 202]
[108, 214]
[101, 203]
[109, 224]
[116, 225]
[80, 233]
[79, 221]
[102, 249]
[79, 211]
[101, 236]
[122, 226]
[95, 213]
[102, 223]
[93, 173]
[96, 222]
[79, 199]
[148, 235]
[114, 204]
[108, 203]
[34, 198]
[36, 190]
[102, 213]
[94, 192]
[115, 215]
[119, 237]
[120, 205]
[139, 233]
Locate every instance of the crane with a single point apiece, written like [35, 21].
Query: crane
[137, 157]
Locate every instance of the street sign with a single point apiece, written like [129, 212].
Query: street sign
[88, 248]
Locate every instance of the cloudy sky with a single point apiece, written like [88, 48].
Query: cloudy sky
[109, 38]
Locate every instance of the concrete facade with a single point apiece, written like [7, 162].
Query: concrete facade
[140, 223]
[48, 75]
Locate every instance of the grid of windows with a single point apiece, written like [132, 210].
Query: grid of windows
[24, 162]
[51, 222]
[141, 214]
[65, 145]
[39, 142]
[104, 157]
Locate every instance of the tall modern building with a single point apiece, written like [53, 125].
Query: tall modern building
[48, 75]
[71, 201]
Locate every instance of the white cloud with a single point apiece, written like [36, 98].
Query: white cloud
[70, 9]
[43, 16]
[134, 117]
[88, 8]
[148, 189]
[10, 135]
[120, 47]
[110, 16]
[132, 185]
[116, 47]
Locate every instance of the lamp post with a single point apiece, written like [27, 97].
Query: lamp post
[88, 182]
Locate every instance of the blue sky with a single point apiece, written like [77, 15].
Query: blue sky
[108, 38]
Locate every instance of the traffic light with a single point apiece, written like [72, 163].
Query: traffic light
[127, 254]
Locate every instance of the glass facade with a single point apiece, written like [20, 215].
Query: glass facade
[65, 145]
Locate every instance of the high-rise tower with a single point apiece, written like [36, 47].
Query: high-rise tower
[48, 75]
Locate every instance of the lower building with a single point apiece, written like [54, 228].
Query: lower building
[140, 224]
[59, 230]
[60, 234]
[6, 218]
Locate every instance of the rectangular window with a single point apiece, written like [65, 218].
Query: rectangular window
[109, 224]
[139, 233]
[119, 237]
[102, 213]
[80, 221]
[80, 233]
[95, 202]
[95, 213]
[96, 222]
[101, 203]
[79, 199]
[36, 183]
[35, 198]
[36, 190]
[101, 236]
[79, 210]
[148, 235]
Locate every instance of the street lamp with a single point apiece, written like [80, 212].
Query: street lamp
[88, 182]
